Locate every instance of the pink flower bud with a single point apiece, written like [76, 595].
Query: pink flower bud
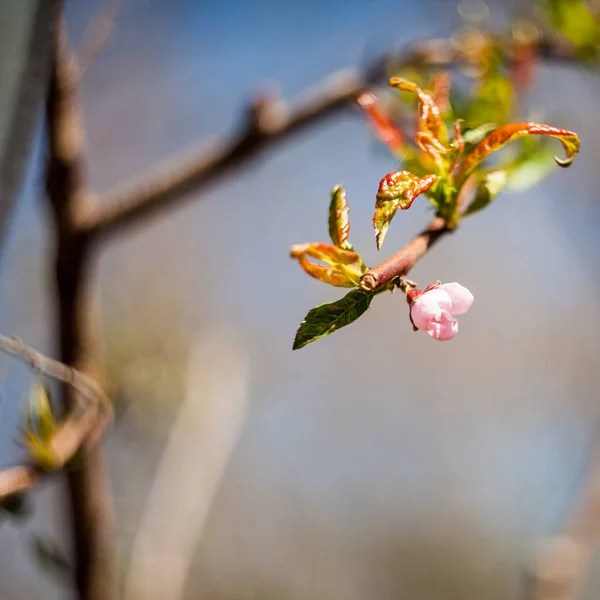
[433, 311]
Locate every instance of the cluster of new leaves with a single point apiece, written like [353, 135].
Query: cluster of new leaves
[451, 170]
[37, 438]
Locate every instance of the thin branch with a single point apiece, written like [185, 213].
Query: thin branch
[97, 34]
[562, 565]
[85, 385]
[68, 192]
[88, 417]
[404, 260]
[268, 121]
[207, 427]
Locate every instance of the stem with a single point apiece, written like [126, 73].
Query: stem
[66, 183]
[404, 260]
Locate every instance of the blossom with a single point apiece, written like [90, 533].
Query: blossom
[433, 310]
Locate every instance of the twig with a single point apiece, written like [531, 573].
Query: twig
[269, 121]
[561, 567]
[90, 508]
[85, 418]
[404, 260]
[191, 469]
[96, 35]
[85, 385]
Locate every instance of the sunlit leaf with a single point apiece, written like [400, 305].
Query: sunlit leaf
[40, 451]
[381, 122]
[472, 137]
[529, 169]
[487, 189]
[507, 133]
[430, 119]
[339, 223]
[345, 266]
[327, 318]
[41, 417]
[41, 428]
[397, 191]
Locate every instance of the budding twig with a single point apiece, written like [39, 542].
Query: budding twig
[89, 416]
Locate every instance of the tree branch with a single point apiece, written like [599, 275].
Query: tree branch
[91, 414]
[67, 185]
[404, 260]
[268, 121]
[97, 34]
[564, 561]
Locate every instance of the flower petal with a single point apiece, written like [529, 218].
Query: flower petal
[460, 296]
[444, 328]
[429, 306]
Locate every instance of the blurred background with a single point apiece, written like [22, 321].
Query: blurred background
[375, 463]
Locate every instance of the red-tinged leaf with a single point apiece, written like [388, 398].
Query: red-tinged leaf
[430, 119]
[440, 87]
[523, 68]
[345, 267]
[339, 223]
[381, 122]
[458, 145]
[397, 191]
[507, 133]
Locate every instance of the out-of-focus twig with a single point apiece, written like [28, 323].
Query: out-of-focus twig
[91, 413]
[85, 385]
[191, 469]
[68, 193]
[269, 121]
[97, 34]
[561, 567]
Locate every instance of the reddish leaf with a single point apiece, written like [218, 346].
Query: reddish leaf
[430, 119]
[345, 270]
[440, 86]
[381, 123]
[396, 191]
[503, 135]
[339, 223]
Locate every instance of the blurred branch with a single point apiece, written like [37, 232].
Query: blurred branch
[267, 121]
[97, 34]
[86, 417]
[68, 191]
[191, 469]
[561, 567]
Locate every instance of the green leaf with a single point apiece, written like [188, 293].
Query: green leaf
[472, 137]
[339, 223]
[327, 318]
[487, 189]
[575, 20]
[530, 170]
[41, 418]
